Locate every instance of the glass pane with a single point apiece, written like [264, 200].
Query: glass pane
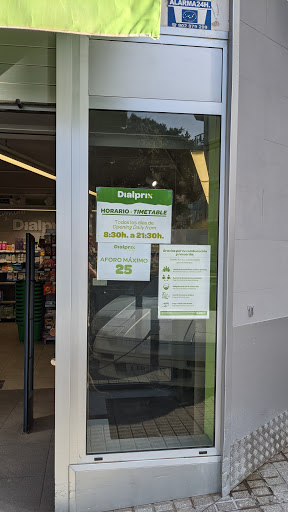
[151, 371]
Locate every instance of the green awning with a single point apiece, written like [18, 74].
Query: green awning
[93, 17]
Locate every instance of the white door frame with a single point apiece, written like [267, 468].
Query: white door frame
[72, 256]
[71, 292]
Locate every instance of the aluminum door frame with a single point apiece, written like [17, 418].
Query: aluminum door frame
[156, 105]
[72, 245]
[72, 255]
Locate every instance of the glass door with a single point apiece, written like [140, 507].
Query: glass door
[152, 283]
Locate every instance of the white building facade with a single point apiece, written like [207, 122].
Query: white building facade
[153, 406]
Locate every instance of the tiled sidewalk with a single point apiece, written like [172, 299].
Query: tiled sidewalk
[265, 490]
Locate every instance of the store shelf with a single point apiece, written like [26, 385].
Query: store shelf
[7, 318]
[17, 252]
[7, 302]
[12, 271]
[12, 263]
[3, 283]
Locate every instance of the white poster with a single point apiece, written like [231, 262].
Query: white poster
[118, 261]
[140, 216]
[184, 281]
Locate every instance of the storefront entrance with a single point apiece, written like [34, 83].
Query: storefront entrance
[27, 205]
[140, 225]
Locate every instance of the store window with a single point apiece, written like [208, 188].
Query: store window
[153, 235]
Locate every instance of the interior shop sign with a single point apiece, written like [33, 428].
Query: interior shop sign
[35, 225]
[134, 215]
[194, 14]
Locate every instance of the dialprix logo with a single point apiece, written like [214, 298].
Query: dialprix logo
[135, 195]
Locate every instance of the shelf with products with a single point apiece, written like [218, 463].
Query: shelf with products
[18, 245]
[12, 271]
[15, 251]
[17, 261]
[7, 262]
[37, 251]
[49, 286]
[7, 293]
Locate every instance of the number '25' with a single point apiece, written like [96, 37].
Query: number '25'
[123, 269]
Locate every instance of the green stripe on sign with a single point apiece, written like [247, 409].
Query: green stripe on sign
[134, 196]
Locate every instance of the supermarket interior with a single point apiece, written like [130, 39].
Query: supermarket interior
[27, 205]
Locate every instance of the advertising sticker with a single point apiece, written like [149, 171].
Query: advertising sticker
[184, 281]
[194, 14]
[119, 261]
[140, 216]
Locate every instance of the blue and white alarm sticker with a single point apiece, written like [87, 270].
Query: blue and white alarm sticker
[194, 14]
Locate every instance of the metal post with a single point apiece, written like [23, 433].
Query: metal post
[29, 334]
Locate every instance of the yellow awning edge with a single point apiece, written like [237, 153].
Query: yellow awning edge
[89, 17]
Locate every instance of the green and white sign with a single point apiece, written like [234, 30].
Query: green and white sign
[140, 216]
[119, 261]
[184, 281]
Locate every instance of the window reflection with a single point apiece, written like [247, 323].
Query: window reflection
[151, 382]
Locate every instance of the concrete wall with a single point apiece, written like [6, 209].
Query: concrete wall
[260, 343]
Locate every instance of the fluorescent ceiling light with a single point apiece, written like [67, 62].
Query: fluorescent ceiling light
[202, 171]
[27, 167]
[31, 168]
